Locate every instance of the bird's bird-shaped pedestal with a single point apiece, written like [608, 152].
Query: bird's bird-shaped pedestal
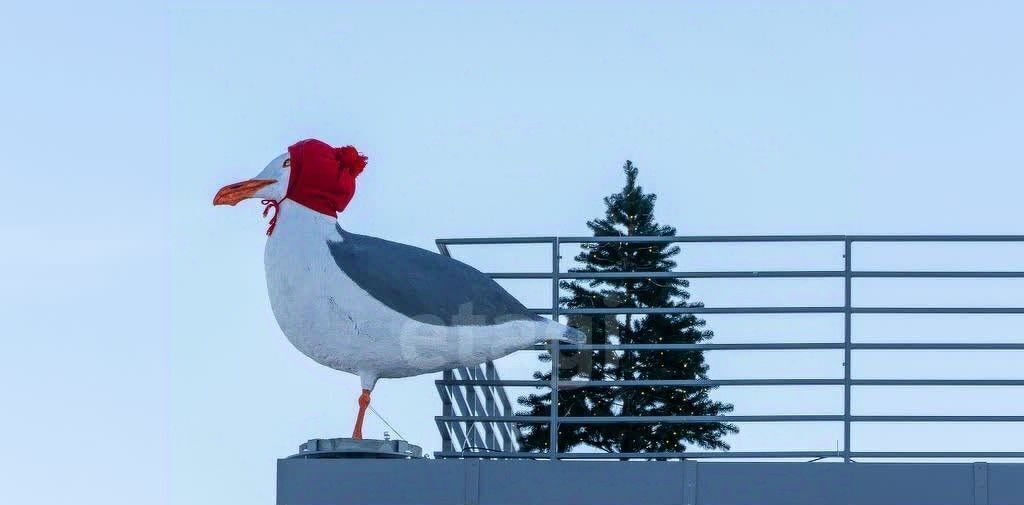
[354, 448]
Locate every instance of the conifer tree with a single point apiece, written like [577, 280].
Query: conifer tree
[630, 212]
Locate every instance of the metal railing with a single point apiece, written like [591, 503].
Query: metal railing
[450, 422]
[486, 397]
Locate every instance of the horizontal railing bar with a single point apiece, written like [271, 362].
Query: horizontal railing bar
[705, 238]
[935, 238]
[867, 346]
[760, 274]
[737, 382]
[494, 240]
[699, 382]
[701, 275]
[645, 383]
[647, 240]
[724, 419]
[785, 310]
[944, 419]
[710, 347]
[668, 310]
[668, 275]
[519, 275]
[642, 419]
[799, 346]
[734, 238]
[937, 274]
[938, 310]
[937, 382]
[734, 454]
[492, 454]
[490, 382]
[938, 454]
[600, 455]
[900, 346]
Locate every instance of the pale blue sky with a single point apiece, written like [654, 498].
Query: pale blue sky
[143, 364]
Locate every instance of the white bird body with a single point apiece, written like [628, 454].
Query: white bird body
[332, 320]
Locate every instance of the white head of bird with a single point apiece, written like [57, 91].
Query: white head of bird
[270, 184]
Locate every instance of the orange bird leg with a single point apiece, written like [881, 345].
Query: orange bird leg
[364, 401]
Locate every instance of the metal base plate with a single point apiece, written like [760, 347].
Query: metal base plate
[350, 448]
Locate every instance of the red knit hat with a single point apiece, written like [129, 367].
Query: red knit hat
[323, 178]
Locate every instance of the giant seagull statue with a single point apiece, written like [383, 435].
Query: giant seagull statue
[368, 306]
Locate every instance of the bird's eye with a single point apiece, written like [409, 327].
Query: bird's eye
[287, 163]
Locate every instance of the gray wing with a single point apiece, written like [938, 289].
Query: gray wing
[423, 285]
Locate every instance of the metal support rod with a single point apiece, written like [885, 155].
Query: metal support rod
[735, 382]
[766, 274]
[446, 410]
[847, 341]
[473, 401]
[802, 346]
[786, 418]
[786, 310]
[553, 426]
[731, 238]
[739, 455]
[493, 394]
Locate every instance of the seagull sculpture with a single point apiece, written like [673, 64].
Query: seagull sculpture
[368, 306]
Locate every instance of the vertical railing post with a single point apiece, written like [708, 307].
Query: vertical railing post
[492, 407]
[447, 410]
[847, 341]
[553, 424]
[474, 410]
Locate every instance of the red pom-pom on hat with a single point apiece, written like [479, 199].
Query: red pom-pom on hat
[351, 161]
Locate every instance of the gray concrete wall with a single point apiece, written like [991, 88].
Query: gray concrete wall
[476, 482]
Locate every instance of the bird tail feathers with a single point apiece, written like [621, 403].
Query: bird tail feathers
[573, 336]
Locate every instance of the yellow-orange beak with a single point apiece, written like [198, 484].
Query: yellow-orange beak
[234, 193]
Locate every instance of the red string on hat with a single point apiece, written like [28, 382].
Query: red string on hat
[271, 204]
